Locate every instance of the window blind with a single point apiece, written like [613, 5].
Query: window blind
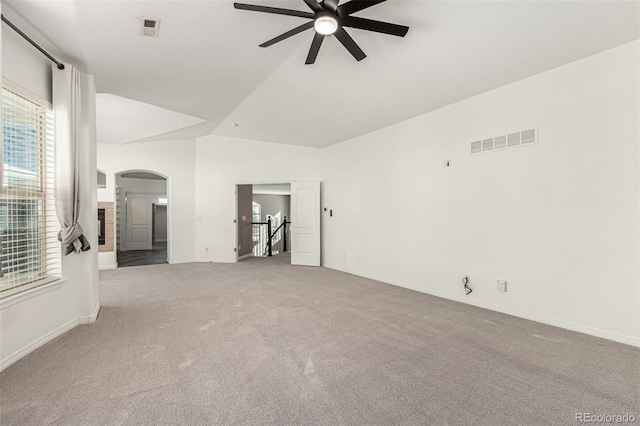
[28, 221]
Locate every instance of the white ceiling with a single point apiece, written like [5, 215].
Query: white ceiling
[123, 120]
[206, 63]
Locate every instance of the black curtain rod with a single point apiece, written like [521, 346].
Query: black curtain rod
[33, 43]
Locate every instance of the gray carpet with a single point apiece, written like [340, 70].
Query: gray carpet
[262, 342]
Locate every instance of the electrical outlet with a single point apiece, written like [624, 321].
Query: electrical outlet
[206, 249]
[502, 285]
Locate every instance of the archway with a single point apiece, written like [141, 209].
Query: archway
[142, 218]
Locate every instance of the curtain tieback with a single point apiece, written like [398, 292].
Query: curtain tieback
[73, 239]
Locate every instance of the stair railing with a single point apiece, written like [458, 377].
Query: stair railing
[269, 246]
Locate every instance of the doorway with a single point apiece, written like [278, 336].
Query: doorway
[279, 219]
[141, 218]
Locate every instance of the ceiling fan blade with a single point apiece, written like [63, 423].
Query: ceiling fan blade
[315, 48]
[331, 5]
[377, 26]
[275, 10]
[356, 5]
[314, 5]
[288, 34]
[351, 45]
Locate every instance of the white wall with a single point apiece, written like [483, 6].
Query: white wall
[172, 159]
[223, 162]
[558, 220]
[32, 318]
[24, 65]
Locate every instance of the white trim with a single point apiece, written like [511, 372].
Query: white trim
[174, 262]
[221, 260]
[90, 318]
[215, 260]
[245, 256]
[580, 328]
[25, 93]
[29, 293]
[20, 353]
[108, 266]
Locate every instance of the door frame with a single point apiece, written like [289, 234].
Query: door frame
[236, 219]
[118, 208]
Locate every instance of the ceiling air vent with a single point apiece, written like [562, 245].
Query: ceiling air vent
[511, 140]
[150, 27]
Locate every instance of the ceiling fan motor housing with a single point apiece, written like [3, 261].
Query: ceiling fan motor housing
[326, 22]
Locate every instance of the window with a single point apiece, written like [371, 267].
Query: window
[28, 222]
[256, 216]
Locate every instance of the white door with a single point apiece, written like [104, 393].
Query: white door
[138, 222]
[305, 223]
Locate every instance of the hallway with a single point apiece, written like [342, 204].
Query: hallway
[155, 256]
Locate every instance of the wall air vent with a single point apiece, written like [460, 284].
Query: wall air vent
[513, 139]
[150, 27]
[510, 140]
[500, 142]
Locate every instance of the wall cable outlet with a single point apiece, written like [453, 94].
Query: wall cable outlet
[465, 283]
[502, 285]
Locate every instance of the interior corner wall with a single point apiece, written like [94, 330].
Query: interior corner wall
[221, 164]
[32, 318]
[558, 220]
[173, 159]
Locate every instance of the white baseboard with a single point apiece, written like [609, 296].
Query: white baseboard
[203, 260]
[90, 318]
[225, 260]
[19, 354]
[245, 256]
[177, 261]
[214, 260]
[108, 266]
[580, 328]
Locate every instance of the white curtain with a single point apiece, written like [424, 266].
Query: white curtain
[70, 89]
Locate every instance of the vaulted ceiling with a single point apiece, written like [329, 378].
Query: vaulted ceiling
[206, 65]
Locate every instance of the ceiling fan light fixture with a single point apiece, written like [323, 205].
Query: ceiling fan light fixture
[325, 24]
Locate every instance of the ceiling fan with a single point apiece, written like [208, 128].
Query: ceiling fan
[327, 18]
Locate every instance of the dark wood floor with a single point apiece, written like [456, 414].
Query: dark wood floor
[156, 256]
